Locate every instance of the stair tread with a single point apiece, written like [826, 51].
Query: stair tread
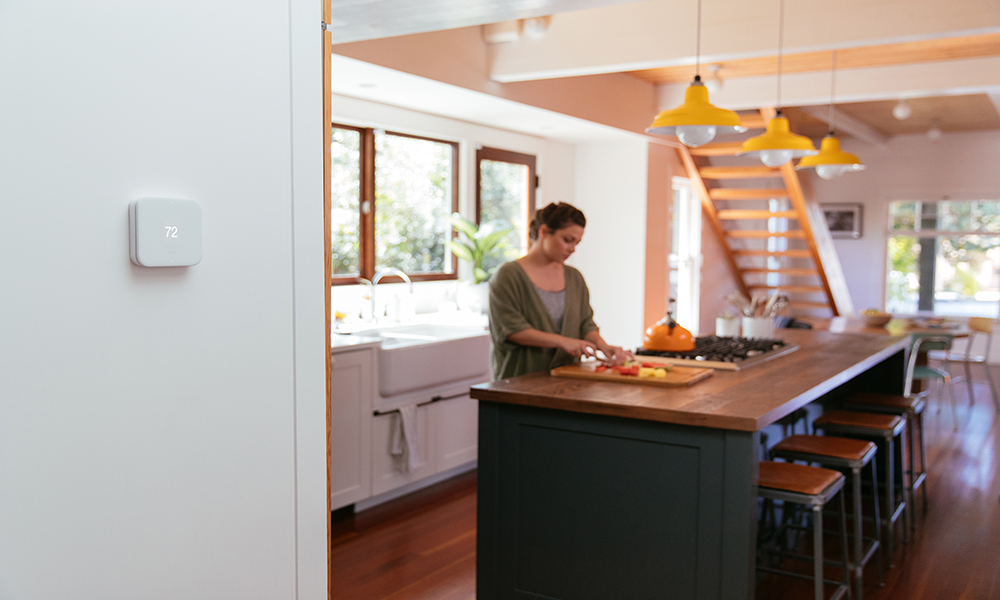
[745, 172]
[792, 289]
[742, 214]
[785, 253]
[802, 272]
[750, 233]
[747, 193]
[717, 149]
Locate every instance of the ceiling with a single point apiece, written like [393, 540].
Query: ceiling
[355, 20]
[944, 60]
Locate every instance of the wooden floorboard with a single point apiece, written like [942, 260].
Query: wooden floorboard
[422, 547]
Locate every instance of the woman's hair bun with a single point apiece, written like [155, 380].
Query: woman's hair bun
[556, 216]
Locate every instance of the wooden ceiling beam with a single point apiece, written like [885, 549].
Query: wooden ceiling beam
[846, 124]
[939, 49]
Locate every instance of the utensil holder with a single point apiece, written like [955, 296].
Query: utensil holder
[758, 327]
[727, 327]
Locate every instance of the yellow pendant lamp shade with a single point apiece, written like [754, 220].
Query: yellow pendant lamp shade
[778, 144]
[696, 122]
[831, 161]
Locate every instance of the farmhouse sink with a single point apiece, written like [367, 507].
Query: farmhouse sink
[424, 355]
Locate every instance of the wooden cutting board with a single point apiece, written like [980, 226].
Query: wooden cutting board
[678, 377]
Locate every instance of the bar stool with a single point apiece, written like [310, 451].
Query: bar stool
[843, 453]
[913, 408]
[812, 487]
[886, 430]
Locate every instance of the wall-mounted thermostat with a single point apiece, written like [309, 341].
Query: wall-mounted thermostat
[164, 232]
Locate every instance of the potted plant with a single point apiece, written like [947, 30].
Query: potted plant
[475, 244]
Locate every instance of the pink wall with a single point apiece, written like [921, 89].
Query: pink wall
[958, 165]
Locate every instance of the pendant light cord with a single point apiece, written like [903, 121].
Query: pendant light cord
[781, 33]
[833, 89]
[697, 54]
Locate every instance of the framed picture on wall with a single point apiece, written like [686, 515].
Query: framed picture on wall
[844, 220]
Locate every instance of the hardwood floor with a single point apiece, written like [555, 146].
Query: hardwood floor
[422, 547]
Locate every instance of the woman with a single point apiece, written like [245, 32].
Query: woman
[540, 314]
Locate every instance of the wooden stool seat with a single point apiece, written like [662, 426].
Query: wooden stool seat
[801, 479]
[875, 421]
[835, 447]
[914, 404]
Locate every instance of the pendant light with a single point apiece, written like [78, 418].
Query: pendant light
[696, 122]
[778, 144]
[831, 161]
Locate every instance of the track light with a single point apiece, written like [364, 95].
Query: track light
[902, 110]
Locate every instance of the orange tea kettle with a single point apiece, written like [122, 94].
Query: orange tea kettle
[667, 335]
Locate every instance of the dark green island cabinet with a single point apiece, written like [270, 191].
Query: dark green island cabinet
[590, 490]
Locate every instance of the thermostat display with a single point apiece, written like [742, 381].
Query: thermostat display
[164, 232]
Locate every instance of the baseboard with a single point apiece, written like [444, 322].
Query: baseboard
[413, 486]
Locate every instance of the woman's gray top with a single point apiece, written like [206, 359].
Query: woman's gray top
[555, 302]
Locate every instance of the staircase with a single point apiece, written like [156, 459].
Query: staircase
[773, 239]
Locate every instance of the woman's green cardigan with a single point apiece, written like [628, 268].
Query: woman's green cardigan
[515, 305]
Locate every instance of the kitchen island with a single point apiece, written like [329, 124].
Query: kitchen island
[593, 491]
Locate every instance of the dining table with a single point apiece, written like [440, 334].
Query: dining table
[898, 325]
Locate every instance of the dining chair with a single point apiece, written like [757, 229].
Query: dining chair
[979, 327]
[924, 343]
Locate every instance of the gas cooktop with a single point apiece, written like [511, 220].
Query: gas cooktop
[726, 353]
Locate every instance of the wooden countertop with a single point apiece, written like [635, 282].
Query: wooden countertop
[747, 400]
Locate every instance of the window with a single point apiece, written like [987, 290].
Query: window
[390, 197]
[505, 197]
[943, 257]
[685, 254]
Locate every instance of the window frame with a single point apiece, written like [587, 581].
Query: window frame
[517, 158]
[366, 200]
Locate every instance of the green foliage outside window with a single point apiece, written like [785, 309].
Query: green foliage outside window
[413, 198]
[965, 261]
[503, 191]
[345, 188]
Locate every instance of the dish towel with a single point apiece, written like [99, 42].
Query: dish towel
[406, 438]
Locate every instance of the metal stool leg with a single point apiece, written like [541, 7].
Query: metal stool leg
[890, 501]
[878, 526]
[919, 420]
[843, 546]
[993, 387]
[858, 532]
[818, 551]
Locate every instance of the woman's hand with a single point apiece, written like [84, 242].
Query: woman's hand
[578, 348]
[615, 354]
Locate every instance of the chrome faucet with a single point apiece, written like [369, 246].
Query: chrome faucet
[378, 277]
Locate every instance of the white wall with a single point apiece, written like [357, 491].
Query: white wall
[148, 441]
[611, 191]
[912, 167]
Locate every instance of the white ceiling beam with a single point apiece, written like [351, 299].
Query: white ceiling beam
[995, 99]
[847, 124]
[632, 36]
[955, 77]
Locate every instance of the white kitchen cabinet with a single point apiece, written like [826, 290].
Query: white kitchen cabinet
[448, 434]
[455, 423]
[351, 383]
[388, 471]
